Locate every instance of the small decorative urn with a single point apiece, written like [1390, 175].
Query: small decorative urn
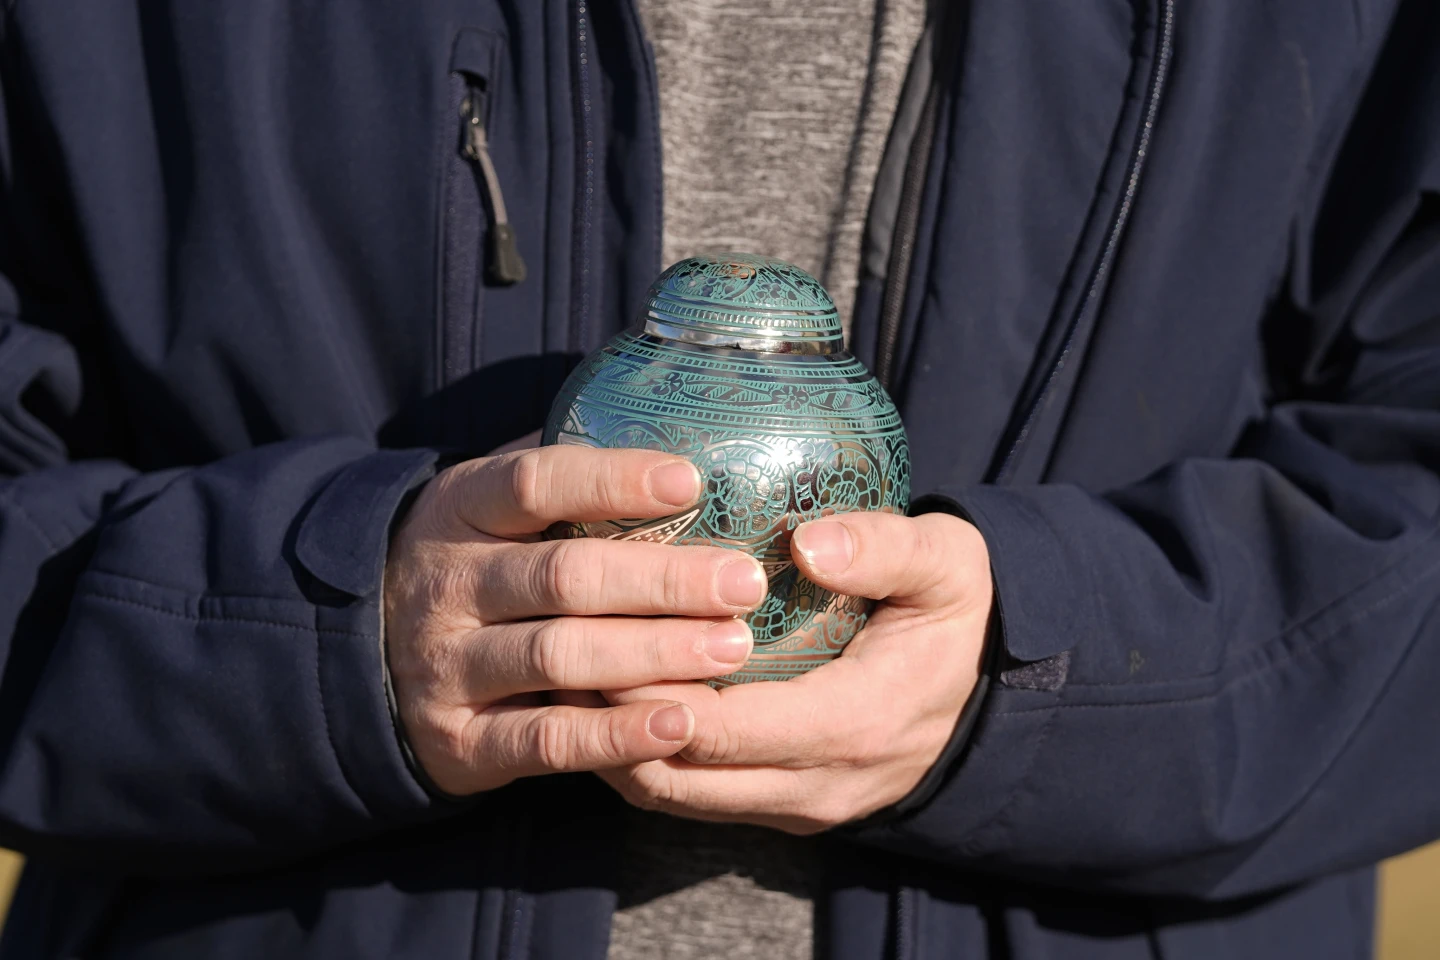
[739, 364]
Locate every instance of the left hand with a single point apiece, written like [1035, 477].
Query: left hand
[858, 733]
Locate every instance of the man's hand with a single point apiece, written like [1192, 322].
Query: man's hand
[857, 734]
[481, 615]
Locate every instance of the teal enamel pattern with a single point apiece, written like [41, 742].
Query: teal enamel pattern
[744, 296]
[780, 436]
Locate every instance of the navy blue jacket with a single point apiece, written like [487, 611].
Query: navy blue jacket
[1155, 283]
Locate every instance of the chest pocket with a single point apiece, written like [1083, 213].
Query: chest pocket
[479, 248]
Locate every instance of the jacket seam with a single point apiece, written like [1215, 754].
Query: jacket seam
[303, 628]
[202, 618]
[1247, 676]
[1263, 650]
[1346, 743]
[141, 581]
[1005, 812]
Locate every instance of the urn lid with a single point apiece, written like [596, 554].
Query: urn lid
[743, 301]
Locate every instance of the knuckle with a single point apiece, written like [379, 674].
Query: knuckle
[613, 743]
[452, 502]
[552, 654]
[440, 732]
[672, 584]
[722, 745]
[929, 550]
[446, 586]
[445, 747]
[617, 481]
[732, 744]
[651, 790]
[552, 743]
[863, 749]
[446, 491]
[566, 574]
[427, 652]
[527, 483]
[437, 659]
[604, 480]
[658, 650]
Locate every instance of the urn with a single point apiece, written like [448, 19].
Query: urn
[738, 363]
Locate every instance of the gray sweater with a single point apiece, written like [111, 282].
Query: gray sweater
[774, 116]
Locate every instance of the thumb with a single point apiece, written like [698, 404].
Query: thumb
[930, 559]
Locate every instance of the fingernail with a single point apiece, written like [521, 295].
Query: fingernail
[677, 484]
[826, 546]
[671, 724]
[742, 583]
[728, 642]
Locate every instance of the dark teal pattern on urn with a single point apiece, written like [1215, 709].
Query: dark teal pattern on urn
[739, 364]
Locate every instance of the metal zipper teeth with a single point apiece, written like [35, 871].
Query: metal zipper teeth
[1159, 75]
[906, 947]
[585, 188]
[519, 906]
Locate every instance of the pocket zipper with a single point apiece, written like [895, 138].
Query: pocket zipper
[503, 264]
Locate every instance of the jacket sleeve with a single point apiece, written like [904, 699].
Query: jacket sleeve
[1225, 679]
[191, 675]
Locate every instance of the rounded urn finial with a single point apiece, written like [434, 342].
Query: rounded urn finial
[743, 301]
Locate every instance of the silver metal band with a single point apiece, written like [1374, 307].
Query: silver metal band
[712, 337]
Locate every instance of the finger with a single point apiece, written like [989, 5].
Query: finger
[795, 801]
[598, 653]
[883, 555]
[793, 724]
[528, 490]
[697, 695]
[589, 577]
[526, 742]
[826, 717]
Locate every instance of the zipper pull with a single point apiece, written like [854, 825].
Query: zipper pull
[504, 265]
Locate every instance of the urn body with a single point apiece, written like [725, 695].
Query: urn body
[780, 435]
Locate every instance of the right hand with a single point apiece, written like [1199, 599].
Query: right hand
[482, 616]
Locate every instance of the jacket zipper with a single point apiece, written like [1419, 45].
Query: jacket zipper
[892, 312]
[519, 906]
[906, 947]
[1114, 234]
[906, 234]
[897, 290]
[503, 263]
[902, 249]
[585, 181]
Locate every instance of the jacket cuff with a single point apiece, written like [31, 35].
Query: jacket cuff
[342, 542]
[963, 799]
[965, 723]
